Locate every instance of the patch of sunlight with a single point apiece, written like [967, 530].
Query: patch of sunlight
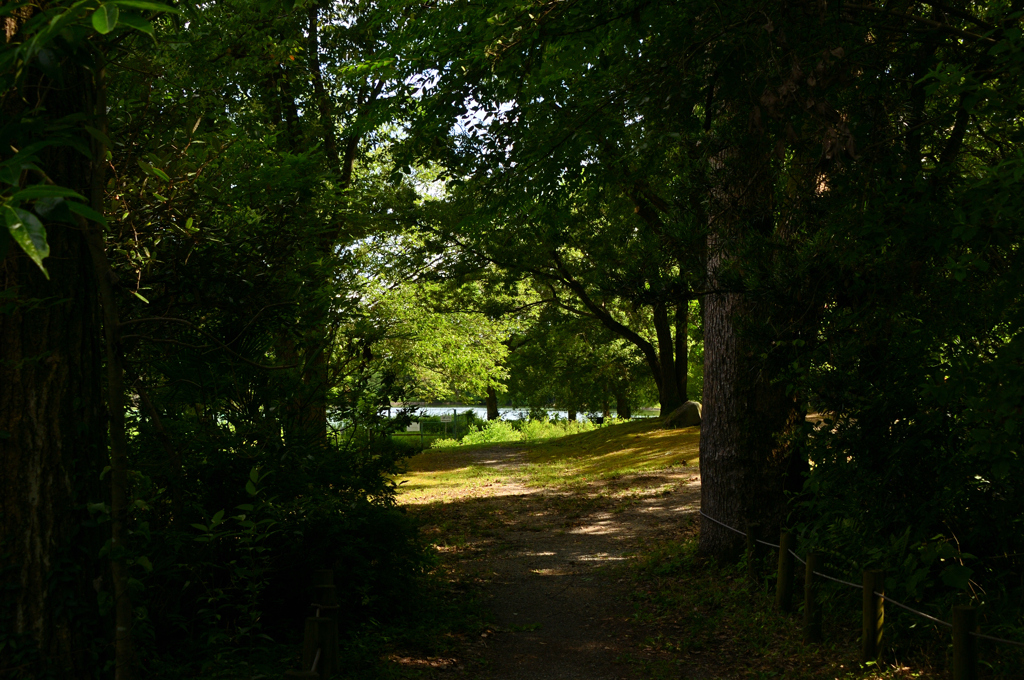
[605, 528]
[551, 572]
[600, 557]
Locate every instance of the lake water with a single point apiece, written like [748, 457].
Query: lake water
[505, 412]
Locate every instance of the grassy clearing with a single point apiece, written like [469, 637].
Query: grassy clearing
[573, 461]
[611, 452]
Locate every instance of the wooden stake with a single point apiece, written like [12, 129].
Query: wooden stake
[784, 583]
[965, 645]
[812, 608]
[873, 615]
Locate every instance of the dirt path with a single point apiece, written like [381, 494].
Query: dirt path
[545, 561]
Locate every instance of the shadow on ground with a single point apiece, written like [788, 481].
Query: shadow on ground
[545, 561]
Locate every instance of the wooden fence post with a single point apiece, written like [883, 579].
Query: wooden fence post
[753, 533]
[812, 608]
[784, 583]
[874, 614]
[965, 645]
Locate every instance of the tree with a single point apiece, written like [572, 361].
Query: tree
[577, 365]
[560, 181]
[53, 84]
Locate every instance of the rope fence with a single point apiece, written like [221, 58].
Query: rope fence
[964, 625]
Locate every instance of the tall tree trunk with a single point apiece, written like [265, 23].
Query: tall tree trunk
[124, 657]
[492, 404]
[51, 421]
[682, 347]
[669, 387]
[743, 456]
[623, 409]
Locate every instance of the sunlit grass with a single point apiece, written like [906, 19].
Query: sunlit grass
[610, 452]
[602, 454]
[439, 475]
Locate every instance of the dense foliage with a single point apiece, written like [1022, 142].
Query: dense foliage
[268, 221]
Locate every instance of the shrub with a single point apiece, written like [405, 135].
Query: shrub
[493, 432]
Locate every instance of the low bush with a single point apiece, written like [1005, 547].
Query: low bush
[537, 429]
[493, 432]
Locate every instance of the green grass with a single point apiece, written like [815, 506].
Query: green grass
[611, 452]
[605, 453]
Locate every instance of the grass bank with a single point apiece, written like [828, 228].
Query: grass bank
[568, 462]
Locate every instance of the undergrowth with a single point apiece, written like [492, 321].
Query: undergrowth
[698, 611]
[499, 431]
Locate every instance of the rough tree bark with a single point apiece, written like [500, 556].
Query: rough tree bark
[743, 454]
[51, 419]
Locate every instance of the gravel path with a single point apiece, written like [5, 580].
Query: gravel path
[543, 557]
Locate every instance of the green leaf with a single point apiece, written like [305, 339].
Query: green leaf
[254, 475]
[54, 209]
[150, 170]
[144, 561]
[201, 527]
[136, 294]
[87, 212]
[104, 19]
[45, 191]
[144, 4]
[96, 134]
[244, 506]
[28, 232]
[250, 488]
[137, 22]
[217, 517]
[957, 576]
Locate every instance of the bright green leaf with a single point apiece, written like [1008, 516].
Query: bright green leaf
[28, 232]
[104, 19]
[144, 4]
[144, 561]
